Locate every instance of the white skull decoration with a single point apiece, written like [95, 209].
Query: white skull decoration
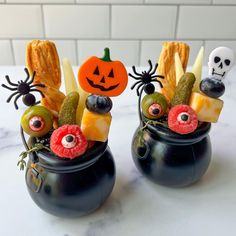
[220, 62]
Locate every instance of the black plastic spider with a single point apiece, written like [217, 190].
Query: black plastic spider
[146, 78]
[24, 88]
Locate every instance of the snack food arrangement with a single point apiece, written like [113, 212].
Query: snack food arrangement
[185, 100]
[66, 124]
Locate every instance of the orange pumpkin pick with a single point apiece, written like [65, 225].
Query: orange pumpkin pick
[102, 76]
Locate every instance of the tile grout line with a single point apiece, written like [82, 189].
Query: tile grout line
[176, 21]
[12, 52]
[211, 4]
[110, 21]
[139, 52]
[43, 20]
[204, 43]
[77, 52]
[125, 39]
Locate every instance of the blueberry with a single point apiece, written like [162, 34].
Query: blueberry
[212, 87]
[98, 104]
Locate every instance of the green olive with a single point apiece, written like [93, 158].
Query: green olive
[154, 105]
[37, 121]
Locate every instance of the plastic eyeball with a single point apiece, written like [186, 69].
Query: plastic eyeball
[37, 121]
[69, 141]
[154, 105]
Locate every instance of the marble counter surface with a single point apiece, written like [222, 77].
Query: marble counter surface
[136, 206]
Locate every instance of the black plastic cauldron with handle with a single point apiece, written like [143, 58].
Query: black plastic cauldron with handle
[168, 158]
[71, 188]
[171, 159]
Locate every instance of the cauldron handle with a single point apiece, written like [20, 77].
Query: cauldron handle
[34, 156]
[139, 108]
[146, 154]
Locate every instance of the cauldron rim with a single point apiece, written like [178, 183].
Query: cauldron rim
[161, 132]
[52, 162]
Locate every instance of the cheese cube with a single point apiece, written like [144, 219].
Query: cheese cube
[208, 109]
[95, 126]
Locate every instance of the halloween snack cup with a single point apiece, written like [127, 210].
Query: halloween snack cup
[171, 146]
[70, 171]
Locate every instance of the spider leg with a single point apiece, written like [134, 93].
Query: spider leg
[15, 101]
[28, 75]
[36, 90]
[32, 79]
[9, 99]
[136, 84]
[9, 81]
[158, 76]
[154, 70]
[37, 85]
[157, 81]
[135, 72]
[12, 89]
[137, 90]
[137, 78]
[150, 63]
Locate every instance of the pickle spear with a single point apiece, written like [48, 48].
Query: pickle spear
[67, 113]
[183, 90]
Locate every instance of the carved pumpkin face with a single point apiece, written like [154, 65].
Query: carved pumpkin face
[103, 76]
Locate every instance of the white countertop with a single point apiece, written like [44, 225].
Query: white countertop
[136, 206]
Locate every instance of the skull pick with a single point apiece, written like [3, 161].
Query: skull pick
[221, 60]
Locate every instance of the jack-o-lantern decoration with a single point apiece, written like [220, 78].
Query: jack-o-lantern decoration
[102, 76]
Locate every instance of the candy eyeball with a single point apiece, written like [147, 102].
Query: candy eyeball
[37, 121]
[68, 142]
[182, 119]
[154, 105]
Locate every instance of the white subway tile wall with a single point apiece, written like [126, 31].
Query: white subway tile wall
[126, 51]
[152, 49]
[133, 29]
[65, 48]
[6, 53]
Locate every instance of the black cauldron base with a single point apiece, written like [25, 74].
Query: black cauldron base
[170, 159]
[71, 188]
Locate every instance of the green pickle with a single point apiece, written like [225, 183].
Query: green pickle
[67, 113]
[183, 90]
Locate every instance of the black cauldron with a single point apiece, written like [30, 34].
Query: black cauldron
[170, 159]
[71, 188]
